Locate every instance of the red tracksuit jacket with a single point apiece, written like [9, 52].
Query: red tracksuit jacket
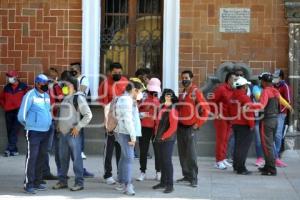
[11, 96]
[187, 109]
[150, 105]
[221, 97]
[238, 100]
[109, 89]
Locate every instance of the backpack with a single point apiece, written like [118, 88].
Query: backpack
[75, 103]
[112, 120]
[88, 95]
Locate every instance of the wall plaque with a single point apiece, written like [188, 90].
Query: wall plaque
[235, 20]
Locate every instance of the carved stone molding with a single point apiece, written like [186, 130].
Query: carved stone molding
[292, 10]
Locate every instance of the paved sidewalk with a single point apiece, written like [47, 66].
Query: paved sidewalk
[213, 184]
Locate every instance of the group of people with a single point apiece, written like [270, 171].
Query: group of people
[137, 110]
[245, 110]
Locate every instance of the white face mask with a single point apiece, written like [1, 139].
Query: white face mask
[139, 96]
[11, 80]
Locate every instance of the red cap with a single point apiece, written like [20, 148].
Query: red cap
[12, 73]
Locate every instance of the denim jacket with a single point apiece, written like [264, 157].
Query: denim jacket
[128, 117]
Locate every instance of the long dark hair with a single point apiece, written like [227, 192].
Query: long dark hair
[174, 98]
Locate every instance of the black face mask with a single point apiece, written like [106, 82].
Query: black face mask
[186, 83]
[44, 88]
[116, 77]
[74, 73]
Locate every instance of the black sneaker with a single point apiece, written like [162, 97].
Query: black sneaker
[59, 186]
[245, 172]
[184, 179]
[159, 186]
[169, 189]
[87, 174]
[269, 172]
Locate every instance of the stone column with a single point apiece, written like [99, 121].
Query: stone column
[293, 16]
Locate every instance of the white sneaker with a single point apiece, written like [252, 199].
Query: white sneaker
[83, 156]
[141, 177]
[120, 187]
[110, 181]
[226, 163]
[158, 176]
[130, 190]
[220, 165]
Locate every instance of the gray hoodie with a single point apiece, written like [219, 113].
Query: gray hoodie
[70, 118]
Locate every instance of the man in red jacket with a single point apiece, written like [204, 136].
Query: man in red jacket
[193, 112]
[10, 101]
[242, 123]
[220, 99]
[114, 85]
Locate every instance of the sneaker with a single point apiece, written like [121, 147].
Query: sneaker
[40, 187]
[226, 163]
[259, 162]
[141, 177]
[76, 188]
[6, 153]
[157, 176]
[29, 191]
[269, 172]
[110, 181]
[59, 186]
[50, 177]
[14, 153]
[158, 186]
[87, 174]
[280, 163]
[83, 156]
[169, 189]
[184, 179]
[245, 172]
[120, 187]
[194, 183]
[129, 190]
[220, 165]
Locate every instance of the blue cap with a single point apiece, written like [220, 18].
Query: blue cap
[41, 78]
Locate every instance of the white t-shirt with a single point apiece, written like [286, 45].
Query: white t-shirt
[84, 82]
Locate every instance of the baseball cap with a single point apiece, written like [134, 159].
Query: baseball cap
[41, 78]
[241, 81]
[278, 73]
[266, 76]
[12, 73]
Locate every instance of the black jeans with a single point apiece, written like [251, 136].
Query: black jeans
[243, 137]
[12, 128]
[186, 141]
[144, 141]
[165, 151]
[110, 144]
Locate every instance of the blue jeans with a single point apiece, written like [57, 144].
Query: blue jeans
[279, 134]
[126, 159]
[36, 152]
[258, 147]
[70, 146]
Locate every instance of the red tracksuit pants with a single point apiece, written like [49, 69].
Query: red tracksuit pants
[223, 131]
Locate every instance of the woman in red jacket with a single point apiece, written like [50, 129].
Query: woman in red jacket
[148, 109]
[242, 123]
[166, 127]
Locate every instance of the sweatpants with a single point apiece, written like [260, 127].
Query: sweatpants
[144, 141]
[243, 138]
[268, 127]
[223, 129]
[186, 141]
[110, 145]
[12, 128]
[37, 143]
